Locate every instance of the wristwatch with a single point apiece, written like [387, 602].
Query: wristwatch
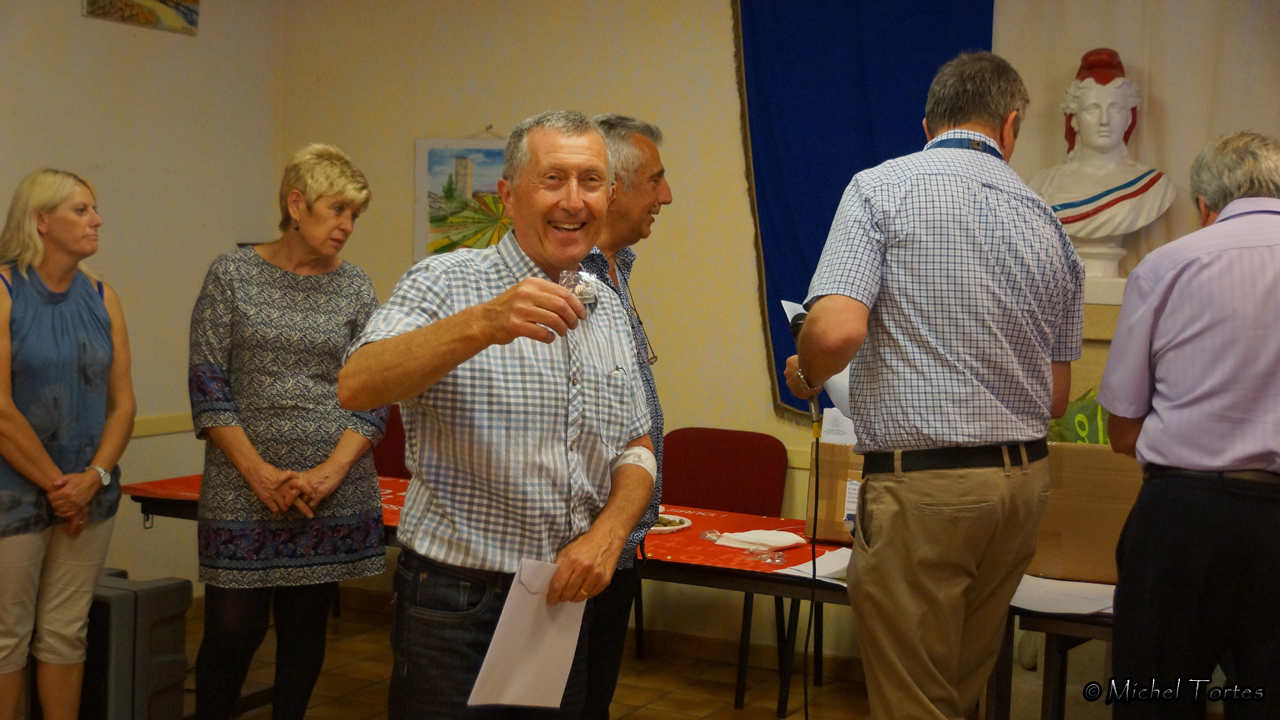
[106, 476]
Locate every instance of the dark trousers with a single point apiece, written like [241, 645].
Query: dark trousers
[443, 625]
[609, 614]
[235, 623]
[1199, 578]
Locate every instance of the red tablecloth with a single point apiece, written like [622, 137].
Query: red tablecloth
[687, 546]
[683, 546]
[188, 488]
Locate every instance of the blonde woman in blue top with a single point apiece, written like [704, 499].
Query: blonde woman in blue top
[66, 415]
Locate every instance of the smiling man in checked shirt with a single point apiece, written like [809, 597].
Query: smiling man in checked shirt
[518, 405]
[958, 297]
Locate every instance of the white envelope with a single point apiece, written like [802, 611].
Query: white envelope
[531, 654]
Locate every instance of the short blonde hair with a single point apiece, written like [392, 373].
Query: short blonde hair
[42, 190]
[318, 170]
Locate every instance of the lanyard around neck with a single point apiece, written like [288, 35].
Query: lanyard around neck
[967, 144]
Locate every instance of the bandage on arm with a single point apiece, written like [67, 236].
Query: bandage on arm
[638, 455]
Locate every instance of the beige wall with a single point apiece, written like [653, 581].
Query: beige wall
[185, 137]
[178, 135]
[1202, 68]
[372, 83]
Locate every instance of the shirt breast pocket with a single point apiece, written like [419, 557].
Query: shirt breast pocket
[606, 406]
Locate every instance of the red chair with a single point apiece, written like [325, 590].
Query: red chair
[730, 470]
[388, 455]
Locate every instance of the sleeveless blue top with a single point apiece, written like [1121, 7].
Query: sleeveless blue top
[61, 354]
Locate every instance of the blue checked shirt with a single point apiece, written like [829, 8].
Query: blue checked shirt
[511, 451]
[598, 264]
[974, 288]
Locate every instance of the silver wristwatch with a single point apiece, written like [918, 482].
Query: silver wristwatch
[106, 476]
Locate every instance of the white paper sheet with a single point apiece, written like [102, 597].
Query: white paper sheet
[531, 654]
[760, 540]
[832, 567]
[837, 429]
[837, 386]
[1061, 596]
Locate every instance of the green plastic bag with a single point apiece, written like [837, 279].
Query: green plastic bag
[1084, 422]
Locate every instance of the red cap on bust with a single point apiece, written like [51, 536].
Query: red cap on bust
[1104, 66]
[1101, 64]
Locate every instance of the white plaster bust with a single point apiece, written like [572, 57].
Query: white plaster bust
[1100, 192]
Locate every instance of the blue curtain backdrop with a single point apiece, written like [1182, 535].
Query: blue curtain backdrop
[834, 87]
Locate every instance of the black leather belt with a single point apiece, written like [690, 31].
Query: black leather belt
[1153, 471]
[487, 577]
[954, 457]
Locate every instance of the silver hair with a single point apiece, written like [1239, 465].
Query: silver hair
[1070, 104]
[623, 155]
[1239, 165]
[566, 122]
[977, 87]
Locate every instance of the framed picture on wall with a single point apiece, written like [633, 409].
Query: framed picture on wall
[180, 16]
[456, 195]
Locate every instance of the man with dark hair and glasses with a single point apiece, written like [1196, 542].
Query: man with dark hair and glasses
[640, 191]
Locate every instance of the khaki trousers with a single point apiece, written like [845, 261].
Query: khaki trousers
[47, 581]
[937, 557]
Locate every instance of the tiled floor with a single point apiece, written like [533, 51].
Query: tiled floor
[358, 665]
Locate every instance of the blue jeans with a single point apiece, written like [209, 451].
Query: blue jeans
[441, 631]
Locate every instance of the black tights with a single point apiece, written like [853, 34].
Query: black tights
[235, 623]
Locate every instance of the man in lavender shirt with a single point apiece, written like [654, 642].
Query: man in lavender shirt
[1193, 387]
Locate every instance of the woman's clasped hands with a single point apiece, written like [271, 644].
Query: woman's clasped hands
[281, 489]
[70, 498]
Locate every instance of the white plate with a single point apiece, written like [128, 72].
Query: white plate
[662, 509]
[659, 529]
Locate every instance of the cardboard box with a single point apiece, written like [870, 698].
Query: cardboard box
[837, 464]
[1091, 491]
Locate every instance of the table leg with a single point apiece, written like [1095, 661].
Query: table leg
[1053, 696]
[1000, 685]
[786, 667]
[780, 625]
[639, 608]
[817, 644]
[744, 649]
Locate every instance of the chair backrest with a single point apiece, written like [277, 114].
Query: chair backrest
[388, 455]
[731, 470]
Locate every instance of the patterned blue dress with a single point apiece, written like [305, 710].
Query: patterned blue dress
[60, 361]
[266, 347]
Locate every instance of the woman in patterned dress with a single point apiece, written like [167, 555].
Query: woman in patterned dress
[290, 502]
[66, 415]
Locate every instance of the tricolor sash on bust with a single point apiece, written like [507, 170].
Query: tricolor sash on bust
[1078, 210]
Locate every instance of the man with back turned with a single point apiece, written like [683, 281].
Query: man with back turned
[1194, 393]
[958, 298]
